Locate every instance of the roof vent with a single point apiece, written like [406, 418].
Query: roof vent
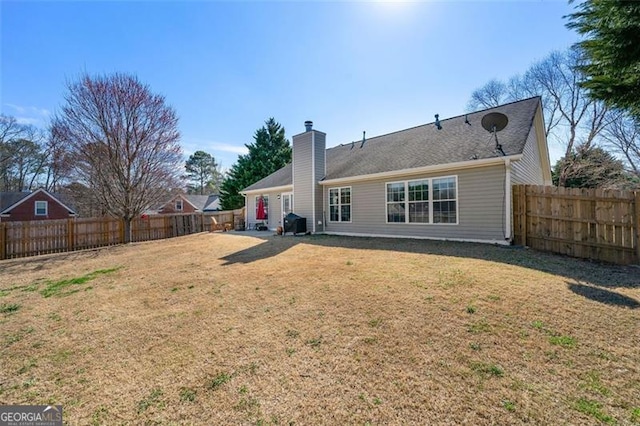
[437, 123]
[308, 125]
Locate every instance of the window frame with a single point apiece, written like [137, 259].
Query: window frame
[340, 204]
[430, 201]
[175, 205]
[46, 208]
[284, 195]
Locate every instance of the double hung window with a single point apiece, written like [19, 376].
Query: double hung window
[433, 200]
[340, 204]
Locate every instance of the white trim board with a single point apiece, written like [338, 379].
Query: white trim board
[411, 237]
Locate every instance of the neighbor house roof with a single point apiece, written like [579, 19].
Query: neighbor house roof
[202, 202]
[199, 202]
[460, 139]
[9, 200]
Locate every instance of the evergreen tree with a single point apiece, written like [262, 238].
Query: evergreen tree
[269, 152]
[202, 172]
[591, 167]
[612, 48]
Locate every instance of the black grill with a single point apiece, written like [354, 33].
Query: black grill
[295, 224]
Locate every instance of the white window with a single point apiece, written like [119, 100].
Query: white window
[340, 204]
[423, 201]
[396, 202]
[179, 205]
[265, 204]
[42, 208]
[445, 206]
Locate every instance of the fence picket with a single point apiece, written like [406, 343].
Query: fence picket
[3, 240]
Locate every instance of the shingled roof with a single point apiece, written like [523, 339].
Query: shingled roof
[202, 202]
[10, 199]
[280, 177]
[461, 138]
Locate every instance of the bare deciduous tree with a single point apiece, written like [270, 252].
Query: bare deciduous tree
[23, 159]
[59, 164]
[571, 117]
[623, 135]
[518, 87]
[560, 77]
[492, 94]
[122, 140]
[527, 86]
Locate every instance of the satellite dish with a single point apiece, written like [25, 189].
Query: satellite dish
[494, 121]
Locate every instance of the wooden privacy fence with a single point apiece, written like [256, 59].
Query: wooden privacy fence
[227, 219]
[589, 223]
[22, 239]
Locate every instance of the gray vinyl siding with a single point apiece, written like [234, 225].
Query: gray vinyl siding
[309, 152]
[274, 217]
[302, 166]
[528, 170]
[481, 215]
[320, 161]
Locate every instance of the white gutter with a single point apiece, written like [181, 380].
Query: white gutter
[427, 169]
[283, 188]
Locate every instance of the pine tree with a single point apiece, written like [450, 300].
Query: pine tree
[612, 48]
[269, 152]
[591, 167]
[202, 172]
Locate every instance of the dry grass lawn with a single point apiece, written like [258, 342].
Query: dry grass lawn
[232, 329]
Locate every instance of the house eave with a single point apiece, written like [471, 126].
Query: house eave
[461, 165]
[281, 188]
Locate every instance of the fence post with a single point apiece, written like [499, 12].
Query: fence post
[637, 225]
[70, 234]
[523, 214]
[3, 240]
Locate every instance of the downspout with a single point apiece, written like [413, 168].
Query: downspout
[507, 200]
[246, 211]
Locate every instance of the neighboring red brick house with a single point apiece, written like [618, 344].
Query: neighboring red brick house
[38, 205]
[189, 203]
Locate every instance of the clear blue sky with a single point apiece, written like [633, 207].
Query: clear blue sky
[226, 67]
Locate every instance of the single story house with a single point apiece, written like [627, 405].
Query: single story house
[37, 205]
[190, 203]
[448, 180]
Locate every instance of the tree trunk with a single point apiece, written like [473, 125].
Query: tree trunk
[127, 230]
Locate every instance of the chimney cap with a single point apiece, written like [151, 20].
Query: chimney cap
[308, 125]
